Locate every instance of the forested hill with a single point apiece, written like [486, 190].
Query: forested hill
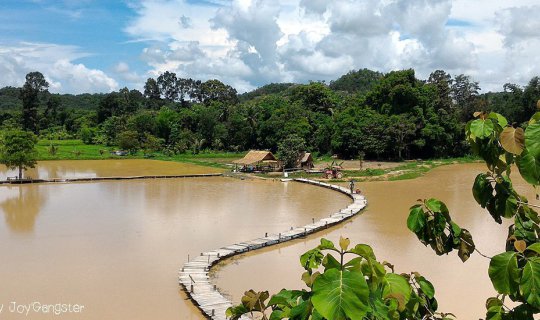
[10, 100]
[383, 116]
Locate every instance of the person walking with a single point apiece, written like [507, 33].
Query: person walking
[351, 186]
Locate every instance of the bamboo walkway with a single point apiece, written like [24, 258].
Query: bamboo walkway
[194, 277]
[61, 180]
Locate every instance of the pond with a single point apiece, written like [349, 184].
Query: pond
[116, 247]
[461, 288]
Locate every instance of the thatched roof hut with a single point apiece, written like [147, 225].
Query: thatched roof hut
[305, 160]
[257, 157]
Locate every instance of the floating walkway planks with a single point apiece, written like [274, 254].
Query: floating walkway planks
[60, 180]
[194, 276]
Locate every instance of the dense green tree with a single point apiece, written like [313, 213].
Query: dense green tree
[443, 86]
[52, 112]
[165, 120]
[18, 150]
[289, 150]
[465, 94]
[348, 132]
[168, 87]
[152, 94]
[208, 126]
[272, 88]
[402, 130]
[123, 102]
[87, 134]
[111, 127]
[34, 85]
[128, 140]
[361, 130]
[151, 144]
[531, 95]
[361, 81]
[315, 96]
[398, 92]
[143, 122]
[321, 138]
[241, 128]
[216, 91]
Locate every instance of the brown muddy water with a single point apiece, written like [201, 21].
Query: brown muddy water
[115, 247]
[109, 168]
[461, 288]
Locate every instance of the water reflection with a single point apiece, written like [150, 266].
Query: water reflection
[22, 207]
[106, 168]
[129, 238]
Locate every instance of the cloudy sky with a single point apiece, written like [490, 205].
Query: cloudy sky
[104, 45]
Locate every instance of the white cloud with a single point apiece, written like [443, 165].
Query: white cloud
[131, 78]
[56, 64]
[247, 43]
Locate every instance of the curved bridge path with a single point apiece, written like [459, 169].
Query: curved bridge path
[194, 277]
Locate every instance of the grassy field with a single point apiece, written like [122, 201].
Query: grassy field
[399, 171]
[373, 171]
[77, 150]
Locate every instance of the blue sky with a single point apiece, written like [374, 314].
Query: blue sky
[93, 26]
[99, 46]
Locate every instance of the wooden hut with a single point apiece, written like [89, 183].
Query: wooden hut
[257, 160]
[305, 161]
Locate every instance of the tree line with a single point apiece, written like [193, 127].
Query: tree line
[379, 116]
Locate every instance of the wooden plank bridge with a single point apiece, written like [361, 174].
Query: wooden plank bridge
[90, 179]
[194, 277]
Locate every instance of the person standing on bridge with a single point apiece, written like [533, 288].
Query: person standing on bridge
[351, 186]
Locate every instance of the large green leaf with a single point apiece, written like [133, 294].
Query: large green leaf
[329, 262]
[535, 118]
[529, 167]
[255, 301]
[417, 219]
[501, 120]
[532, 139]
[301, 311]
[482, 128]
[426, 287]
[236, 312]
[436, 205]
[504, 273]
[326, 245]
[513, 140]
[534, 247]
[311, 259]
[482, 190]
[466, 245]
[364, 251]
[341, 295]
[522, 312]
[379, 309]
[285, 297]
[495, 309]
[398, 288]
[530, 282]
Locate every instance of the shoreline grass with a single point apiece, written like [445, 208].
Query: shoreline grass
[77, 150]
